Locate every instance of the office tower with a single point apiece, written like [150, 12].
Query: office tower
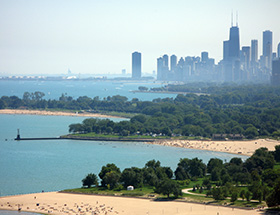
[267, 48]
[254, 52]
[275, 78]
[173, 62]
[278, 50]
[160, 69]
[234, 44]
[226, 50]
[123, 71]
[204, 57]
[136, 65]
[231, 56]
[165, 61]
[245, 57]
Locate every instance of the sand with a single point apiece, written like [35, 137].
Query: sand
[52, 113]
[247, 147]
[61, 203]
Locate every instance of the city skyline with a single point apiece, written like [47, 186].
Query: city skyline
[92, 37]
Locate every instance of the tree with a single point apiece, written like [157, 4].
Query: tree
[242, 194]
[248, 195]
[206, 183]
[3, 104]
[106, 169]
[214, 163]
[111, 179]
[89, 180]
[234, 196]
[194, 167]
[273, 198]
[167, 187]
[218, 194]
[132, 176]
[251, 132]
[216, 174]
[277, 153]
[142, 88]
[180, 174]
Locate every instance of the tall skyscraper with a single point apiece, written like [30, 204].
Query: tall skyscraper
[165, 61]
[160, 67]
[226, 50]
[234, 42]
[275, 78]
[254, 52]
[136, 65]
[245, 58]
[267, 48]
[204, 57]
[173, 62]
[278, 50]
[231, 54]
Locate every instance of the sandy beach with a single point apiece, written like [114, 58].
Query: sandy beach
[61, 203]
[247, 147]
[52, 113]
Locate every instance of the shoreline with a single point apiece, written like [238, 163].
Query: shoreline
[239, 147]
[66, 203]
[53, 113]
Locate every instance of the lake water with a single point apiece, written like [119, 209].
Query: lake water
[52, 165]
[5, 212]
[54, 89]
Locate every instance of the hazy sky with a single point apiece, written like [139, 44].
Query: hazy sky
[93, 37]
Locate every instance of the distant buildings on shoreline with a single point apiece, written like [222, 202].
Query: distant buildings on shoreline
[239, 65]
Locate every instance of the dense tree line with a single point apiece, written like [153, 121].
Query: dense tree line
[252, 111]
[257, 173]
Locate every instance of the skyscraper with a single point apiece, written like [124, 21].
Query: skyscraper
[267, 48]
[226, 50]
[278, 50]
[275, 78]
[234, 42]
[245, 58]
[173, 62]
[204, 57]
[136, 65]
[160, 69]
[231, 56]
[165, 61]
[254, 52]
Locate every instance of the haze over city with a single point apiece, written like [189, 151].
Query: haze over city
[98, 37]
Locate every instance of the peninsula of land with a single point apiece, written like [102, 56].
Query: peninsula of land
[62, 203]
[53, 113]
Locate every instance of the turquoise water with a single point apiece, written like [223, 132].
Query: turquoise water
[54, 89]
[51, 165]
[4, 212]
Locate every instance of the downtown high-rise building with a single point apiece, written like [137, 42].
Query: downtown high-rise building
[245, 57]
[165, 61]
[173, 63]
[254, 53]
[234, 43]
[231, 56]
[275, 77]
[136, 65]
[278, 50]
[267, 49]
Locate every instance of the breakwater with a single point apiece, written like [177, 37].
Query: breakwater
[71, 137]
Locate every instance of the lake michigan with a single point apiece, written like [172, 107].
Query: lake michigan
[52, 165]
